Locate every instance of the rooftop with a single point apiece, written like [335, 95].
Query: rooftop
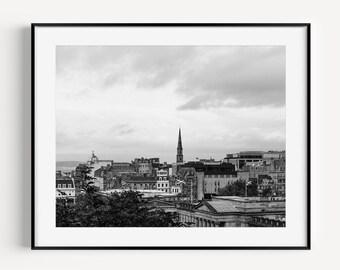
[221, 206]
[236, 198]
[248, 199]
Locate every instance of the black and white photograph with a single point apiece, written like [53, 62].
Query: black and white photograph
[170, 136]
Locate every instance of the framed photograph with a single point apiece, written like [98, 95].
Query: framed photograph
[171, 136]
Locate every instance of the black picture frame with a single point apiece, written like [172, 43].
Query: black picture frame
[307, 246]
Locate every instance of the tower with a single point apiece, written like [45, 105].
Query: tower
[93, 159]
[179, 157]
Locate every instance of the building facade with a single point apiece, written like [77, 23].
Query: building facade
[144, 166]
[200, 180]
[163, 183]
[234, 211]
[140, 183]
[64, 186]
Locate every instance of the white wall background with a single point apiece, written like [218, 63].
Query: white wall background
[15, 19]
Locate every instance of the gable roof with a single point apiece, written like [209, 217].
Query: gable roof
[204, 207]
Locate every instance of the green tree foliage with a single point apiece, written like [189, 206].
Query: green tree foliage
[127, 209]
[237, 188]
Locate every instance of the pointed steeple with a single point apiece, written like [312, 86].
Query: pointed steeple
[179, 157]
[179, 145]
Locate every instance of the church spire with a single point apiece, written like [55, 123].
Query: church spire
[179, 139]
[179, 157]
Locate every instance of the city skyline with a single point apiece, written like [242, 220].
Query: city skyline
[125, 102]
[93, 152]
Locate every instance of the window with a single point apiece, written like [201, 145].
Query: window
[59, 186]
[69, 185]
[64, 185]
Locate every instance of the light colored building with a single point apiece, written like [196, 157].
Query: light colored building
[144, 166]
[163, 183]
[233, 211]
[162, 175]
[274, 155]
[214, 182]
[204, 180]
[176, 189]
[243, 157]
[210, 161]
[175, 169]
[99, 182]
[94, 164]
[64, 186]
[240, 159]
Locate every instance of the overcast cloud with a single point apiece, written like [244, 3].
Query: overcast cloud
[128, 101]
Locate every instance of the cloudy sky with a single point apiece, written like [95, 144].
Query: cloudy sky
[129, 101]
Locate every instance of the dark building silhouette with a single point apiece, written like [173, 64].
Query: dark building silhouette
[179, 157]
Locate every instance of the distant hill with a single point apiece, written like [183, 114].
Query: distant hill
[66, 166]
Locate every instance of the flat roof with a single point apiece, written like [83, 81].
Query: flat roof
[248, 199]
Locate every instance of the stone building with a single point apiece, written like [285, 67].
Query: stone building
[94, 163]
[144, 166]
[268, 174]
[201, 180]
[88, 171]
[189, 183]
[140, 182]
[163, 183]
[232, 211]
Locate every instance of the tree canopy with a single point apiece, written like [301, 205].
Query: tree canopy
[127, 209]
[237, 188]
[267, 192]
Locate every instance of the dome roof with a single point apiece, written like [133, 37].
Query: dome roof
[93, 159]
